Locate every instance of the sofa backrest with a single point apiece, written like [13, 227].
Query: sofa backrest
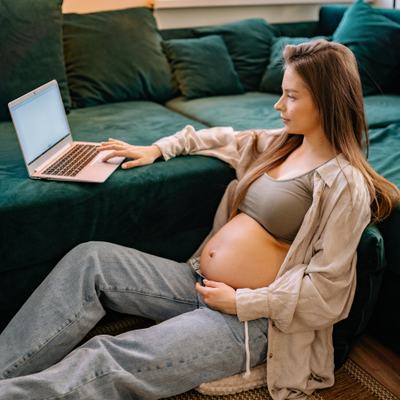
[31, 51]
[115, 56]
[331, 15]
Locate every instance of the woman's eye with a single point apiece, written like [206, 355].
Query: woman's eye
[291, 97]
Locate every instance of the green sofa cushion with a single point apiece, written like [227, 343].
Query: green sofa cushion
[331, 15]
[115, 56]
[247, 111]
[272, 78]
[375, 41]
[248, 42]
[31, 49]
[202, 67]
[382, 110]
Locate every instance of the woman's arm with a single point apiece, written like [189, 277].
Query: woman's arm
[318, 294]
[235, 148]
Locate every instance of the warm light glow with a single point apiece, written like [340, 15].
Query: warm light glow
[79, 6]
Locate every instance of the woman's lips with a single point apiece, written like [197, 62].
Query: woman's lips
[285, 120]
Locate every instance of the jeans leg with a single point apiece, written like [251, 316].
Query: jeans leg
[69, 302]
[163, 360]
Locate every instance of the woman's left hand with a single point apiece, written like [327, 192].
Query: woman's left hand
[218, 296]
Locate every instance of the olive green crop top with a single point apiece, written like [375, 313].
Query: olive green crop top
[279, 205]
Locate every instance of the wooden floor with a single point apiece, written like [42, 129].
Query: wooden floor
[379, 361]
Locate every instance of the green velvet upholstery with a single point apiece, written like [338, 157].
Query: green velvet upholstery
[161, 208]
[202, 67]
[296, 29]
[115, 56]
[384, 157]
[375, 42]
[248, 42]
[31, 49]
[382, 110]
[371, 265]
[331, 15]
[248, 111]
[273, 75]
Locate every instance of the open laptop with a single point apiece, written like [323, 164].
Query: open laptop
[45, 138]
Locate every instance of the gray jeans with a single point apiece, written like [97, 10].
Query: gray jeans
[189, 345]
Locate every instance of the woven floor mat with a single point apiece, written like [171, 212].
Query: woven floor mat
[351, 381]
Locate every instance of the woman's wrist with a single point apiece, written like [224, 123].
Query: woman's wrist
[157, 151]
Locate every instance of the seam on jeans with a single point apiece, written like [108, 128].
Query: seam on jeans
[20, 361]
[191, 302]
[101, 376]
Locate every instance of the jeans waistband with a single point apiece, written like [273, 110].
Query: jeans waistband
[194, 263]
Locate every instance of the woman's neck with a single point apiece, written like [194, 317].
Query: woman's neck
[316, 146]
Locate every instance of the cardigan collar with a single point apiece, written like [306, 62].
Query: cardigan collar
[330, 169]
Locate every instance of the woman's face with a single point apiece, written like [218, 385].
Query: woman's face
[296, 106]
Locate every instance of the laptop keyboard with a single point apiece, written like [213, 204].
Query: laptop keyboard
[72, 162]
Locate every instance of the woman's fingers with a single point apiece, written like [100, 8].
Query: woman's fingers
[114, 154]
[103, 147]
[139, 155]
[116, 141]
[201, 289]
[212, 283]
[132, 163]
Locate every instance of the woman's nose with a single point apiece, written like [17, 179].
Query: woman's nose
[278, 105]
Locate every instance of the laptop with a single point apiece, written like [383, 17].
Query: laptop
[46, 142]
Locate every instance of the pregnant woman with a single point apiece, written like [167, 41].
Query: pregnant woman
[266, 285]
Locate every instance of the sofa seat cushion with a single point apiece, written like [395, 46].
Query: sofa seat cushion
[202, 67]
[31, 49]
[246, 111]
[115, 56]
[384, 156]
[382, 110]
[160, 208]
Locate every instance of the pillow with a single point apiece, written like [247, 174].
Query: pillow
[115, 56]
[202, 67]
[31, 49]
[272, 78]
[375, 42]
[248, 42]
[331, 15]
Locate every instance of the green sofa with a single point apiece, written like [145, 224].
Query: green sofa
[117, 81]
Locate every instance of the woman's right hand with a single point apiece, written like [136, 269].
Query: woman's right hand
[141, 155]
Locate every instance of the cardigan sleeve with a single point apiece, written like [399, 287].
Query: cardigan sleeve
[233, 147]
[315, 295]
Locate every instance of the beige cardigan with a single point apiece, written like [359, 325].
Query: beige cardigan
[316, 283]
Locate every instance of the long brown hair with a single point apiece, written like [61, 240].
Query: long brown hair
[330, 71]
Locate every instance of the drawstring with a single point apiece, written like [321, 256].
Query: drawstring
[246, 341]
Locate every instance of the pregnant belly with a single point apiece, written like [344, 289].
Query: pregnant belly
[242, 254]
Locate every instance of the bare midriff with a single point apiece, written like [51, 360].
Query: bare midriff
[243, 254]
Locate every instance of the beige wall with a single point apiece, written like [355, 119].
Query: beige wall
[84, 6]
[197, 16]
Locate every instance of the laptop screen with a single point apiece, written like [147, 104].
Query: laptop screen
[40, 122]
